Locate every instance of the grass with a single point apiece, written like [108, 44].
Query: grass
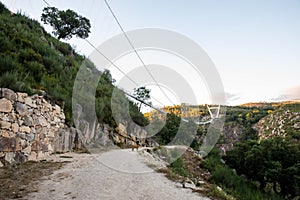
[293, 107]
[218, 193]
[178, 168]
[16, 181]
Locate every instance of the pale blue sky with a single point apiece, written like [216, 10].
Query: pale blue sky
[254, 44]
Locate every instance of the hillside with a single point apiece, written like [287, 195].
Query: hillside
[238, 126]
[183, 110]
[256, 157]
[257, 154]
[284, 121]
[33, 61]
[242, 123]
[273, 104]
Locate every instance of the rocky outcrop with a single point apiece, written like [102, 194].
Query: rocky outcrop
[31, 127]
[130, 134]
[231, 134]
[284, 122]
[96, 136]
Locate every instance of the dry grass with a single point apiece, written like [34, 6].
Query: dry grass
[18, 180]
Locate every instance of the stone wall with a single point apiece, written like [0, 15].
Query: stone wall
[31, 127]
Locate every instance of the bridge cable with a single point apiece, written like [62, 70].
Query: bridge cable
[135, 51]
[127, 76]
[127, 93]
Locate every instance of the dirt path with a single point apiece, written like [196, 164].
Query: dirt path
[117, 174]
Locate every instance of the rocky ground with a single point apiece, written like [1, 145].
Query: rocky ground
[116, 174]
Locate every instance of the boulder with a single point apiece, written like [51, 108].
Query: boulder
[36, 146]
[37, 112]
[5, 118]
[9, 144]
[188, 184]
[30, 137]
[5, 105]
[56, 110]
[56, 120]
[5, 125]
[20, 122]
[28, 121]
[28, 101]
[22, 109]
[10, 158]
[33, 130]
[27, 150]
[5, 134]
[42, 121]
[121, 129]
[47, 104]
[8, 94]
[24, 143]
[20, 157]
[21, 135]
[21, 97]
[32, 156]
[15, 127]
[51, 134]
[25, 129]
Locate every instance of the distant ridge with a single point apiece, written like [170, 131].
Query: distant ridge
[273, 104]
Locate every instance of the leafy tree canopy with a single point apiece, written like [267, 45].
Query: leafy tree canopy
[143, 94]
[66, 23]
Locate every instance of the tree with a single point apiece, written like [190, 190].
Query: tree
[66, 23]
[274, 161]
[142, 94]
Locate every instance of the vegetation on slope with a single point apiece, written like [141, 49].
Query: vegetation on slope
[284, 121]
[232, 183]
[32, 60]
[254, 167]
[273, 164]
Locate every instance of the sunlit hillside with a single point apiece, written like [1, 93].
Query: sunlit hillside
[183, 110]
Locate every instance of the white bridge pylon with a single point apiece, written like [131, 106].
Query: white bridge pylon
[217, 112]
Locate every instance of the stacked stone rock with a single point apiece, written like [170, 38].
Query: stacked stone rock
[30, 127]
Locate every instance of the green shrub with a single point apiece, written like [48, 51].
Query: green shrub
[16, 81]
[6, 44]
[29, 54]
[8, 63]
[36, 69]
[216, 192]
[64, 48]
[178, 168]
[3, 9]
[232, 183]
